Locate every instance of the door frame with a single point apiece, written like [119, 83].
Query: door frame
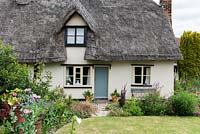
[105, 66]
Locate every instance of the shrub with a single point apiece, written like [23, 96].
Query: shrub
[83, 109]
[12, 74]
[57, 115]
[132, 108]
[184, 103]
[153, 104]
[115, 109]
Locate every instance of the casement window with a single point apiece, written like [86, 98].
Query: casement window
[141, 75]
[78, 75]
[75, 36]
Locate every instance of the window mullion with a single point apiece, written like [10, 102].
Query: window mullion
[74, 70]
[81, 75]
[142, 73]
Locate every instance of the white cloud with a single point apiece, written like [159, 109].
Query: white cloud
[185, 16]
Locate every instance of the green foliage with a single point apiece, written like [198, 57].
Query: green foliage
[88, 93]
[40, 83]
[132, 108]
[12, 74]
[115, 109]
[57, 115]
[191, 85]
[115, 93]
[184, 103]
[190, 48]
[153, 104]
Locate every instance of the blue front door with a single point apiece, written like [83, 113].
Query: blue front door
[101, 82]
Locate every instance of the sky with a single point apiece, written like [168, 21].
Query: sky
[185, 16]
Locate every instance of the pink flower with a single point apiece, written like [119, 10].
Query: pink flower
[35, 96]
[198, 113]
[27, 90]
[26, 111]
[14, 94]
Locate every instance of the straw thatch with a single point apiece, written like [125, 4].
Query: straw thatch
[119, 29]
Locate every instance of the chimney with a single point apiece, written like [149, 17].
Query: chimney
[167, 7]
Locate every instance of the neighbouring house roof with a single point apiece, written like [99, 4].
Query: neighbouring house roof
[178, 40]
[124, 30]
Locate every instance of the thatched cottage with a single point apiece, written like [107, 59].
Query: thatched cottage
[97, 45]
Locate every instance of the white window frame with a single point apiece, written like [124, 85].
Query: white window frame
[142, 75]
[81, 76]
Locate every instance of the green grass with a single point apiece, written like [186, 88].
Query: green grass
[136, 125]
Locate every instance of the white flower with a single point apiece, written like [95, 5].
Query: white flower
[78, 120]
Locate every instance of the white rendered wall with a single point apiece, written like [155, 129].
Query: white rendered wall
[163, 73]
[76, 20]
[75, 55]
[120, 74]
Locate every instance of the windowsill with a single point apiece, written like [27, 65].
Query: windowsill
[77, 86]
[74, 45]
[142, 88]
[135, 85]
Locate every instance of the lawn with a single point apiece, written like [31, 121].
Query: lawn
[136, 125]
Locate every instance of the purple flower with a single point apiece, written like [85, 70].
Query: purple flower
[14, 94]
[35, 96]
[27, 90]
[26, 111]
[198, 113]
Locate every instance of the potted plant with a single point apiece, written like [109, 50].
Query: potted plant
[115, 96]
[88, 96]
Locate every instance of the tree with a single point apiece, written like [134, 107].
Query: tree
[189, 67]
[12, 74]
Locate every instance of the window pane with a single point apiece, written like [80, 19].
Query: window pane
[78, 76]
[78, 81]
[78, 70]
[138, 79]
[86, 80]
[69, 74]
[86, 71]
[138, 71]
[71, 31]
[80, 31]
[69, 80]
[80, 40]
[70, 70]
[146, 80]
[146, 70]
[70, 40]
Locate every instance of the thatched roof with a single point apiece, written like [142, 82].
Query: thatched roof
[119, 29]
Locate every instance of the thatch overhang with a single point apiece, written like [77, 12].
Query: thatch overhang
[120, 30]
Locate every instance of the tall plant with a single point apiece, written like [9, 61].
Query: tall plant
[12, 74]
[189, 67]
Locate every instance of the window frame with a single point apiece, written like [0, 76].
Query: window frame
[81, 76]
[75, 44]
[142, 75]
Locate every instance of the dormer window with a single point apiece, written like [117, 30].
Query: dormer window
[75, 36]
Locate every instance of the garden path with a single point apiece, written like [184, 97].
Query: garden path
[101, 108]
